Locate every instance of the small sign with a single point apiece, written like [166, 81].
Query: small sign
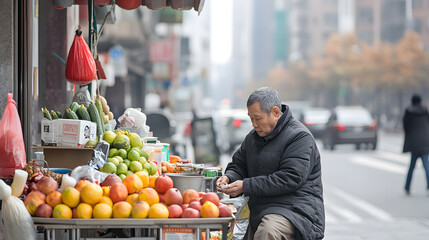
[176, 233]
[161, 51]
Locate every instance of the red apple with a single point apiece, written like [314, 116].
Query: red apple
[195, 205]
[44, 210]
[190, 213]
[175, 211]
[210, 196]
[163, 183]
[189, 194]
[173, 196]
[47, 185]
[110, 180]
[224, 210]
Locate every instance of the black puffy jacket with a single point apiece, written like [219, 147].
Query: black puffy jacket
[281, 174]
[416, 127]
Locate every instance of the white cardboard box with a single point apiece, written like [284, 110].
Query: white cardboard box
[47, 134]
[74, 133]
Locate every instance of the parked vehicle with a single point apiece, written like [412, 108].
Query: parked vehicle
[350, 125]
[232, 126]
[315, 119]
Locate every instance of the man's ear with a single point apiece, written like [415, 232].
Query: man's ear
[276, 111]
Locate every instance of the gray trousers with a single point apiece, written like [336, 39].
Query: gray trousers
[273, 227]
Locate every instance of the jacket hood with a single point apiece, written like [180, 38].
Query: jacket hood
[417, 109]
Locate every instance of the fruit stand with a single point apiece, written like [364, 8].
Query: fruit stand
[115, 178]
[51, 226]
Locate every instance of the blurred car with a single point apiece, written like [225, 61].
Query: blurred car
[350, 125]
[297, 107]
[315, 119]
[232, 126]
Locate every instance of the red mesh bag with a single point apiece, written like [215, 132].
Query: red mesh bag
[80, 68]
[12, 149]
[129, 4]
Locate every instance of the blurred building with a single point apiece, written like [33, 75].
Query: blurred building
[387, 20]
[311, 23]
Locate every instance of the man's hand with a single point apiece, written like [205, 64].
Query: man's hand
[222, 181]
[234, 189]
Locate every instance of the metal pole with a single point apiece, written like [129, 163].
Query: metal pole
[91, 28]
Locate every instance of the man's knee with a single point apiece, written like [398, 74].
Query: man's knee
[274, 226]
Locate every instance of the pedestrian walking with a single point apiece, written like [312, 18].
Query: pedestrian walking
[416, 128]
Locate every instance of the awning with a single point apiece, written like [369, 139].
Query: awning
[197, 5]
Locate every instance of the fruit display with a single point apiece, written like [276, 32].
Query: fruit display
[126, 155]
[138, 195]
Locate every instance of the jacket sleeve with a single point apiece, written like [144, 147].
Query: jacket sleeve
[237, 169]
[295, 167]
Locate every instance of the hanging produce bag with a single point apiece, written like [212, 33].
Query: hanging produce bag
[129, 4]
[12, 149]
[80, 68]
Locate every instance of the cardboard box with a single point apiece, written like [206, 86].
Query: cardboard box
[74, 133]
[66, 157]
[47, 134]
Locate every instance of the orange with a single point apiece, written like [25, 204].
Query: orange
[84, 210]
[152, 179]
[54, 198]
[102, 210]
[106, 200]
[144, 176]
[209, 210]
[91, 193]
[62, 211]
[140, 210]
[149, 195]
[80, 184]
[71, 197]
[122, 209]
[132, 198]
[106, 190]
[158, 210]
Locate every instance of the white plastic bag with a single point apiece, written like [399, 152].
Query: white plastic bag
[16, 218]
[241, 216]
[135, 116]
[134, 120]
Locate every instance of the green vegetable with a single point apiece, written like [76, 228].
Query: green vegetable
[70, 114]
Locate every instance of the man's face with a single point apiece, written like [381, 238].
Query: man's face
[262, 122]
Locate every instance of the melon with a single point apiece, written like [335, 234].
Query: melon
[121, 142]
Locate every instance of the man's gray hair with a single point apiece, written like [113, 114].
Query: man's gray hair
[267, 97]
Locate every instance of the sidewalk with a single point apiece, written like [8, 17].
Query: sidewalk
[398, 229]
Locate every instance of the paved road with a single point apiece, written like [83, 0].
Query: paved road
[364, 196]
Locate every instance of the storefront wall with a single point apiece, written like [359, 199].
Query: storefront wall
[6, 51]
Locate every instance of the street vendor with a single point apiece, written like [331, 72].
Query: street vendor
[278, 166]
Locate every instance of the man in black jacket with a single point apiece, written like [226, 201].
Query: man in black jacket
[416, 127]
[278, 167]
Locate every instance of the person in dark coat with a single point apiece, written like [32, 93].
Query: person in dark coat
[278, 166]
[416, 128]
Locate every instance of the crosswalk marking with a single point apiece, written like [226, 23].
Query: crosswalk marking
[400, 158]
[347, 214]
[376, 163]
[363, 205]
